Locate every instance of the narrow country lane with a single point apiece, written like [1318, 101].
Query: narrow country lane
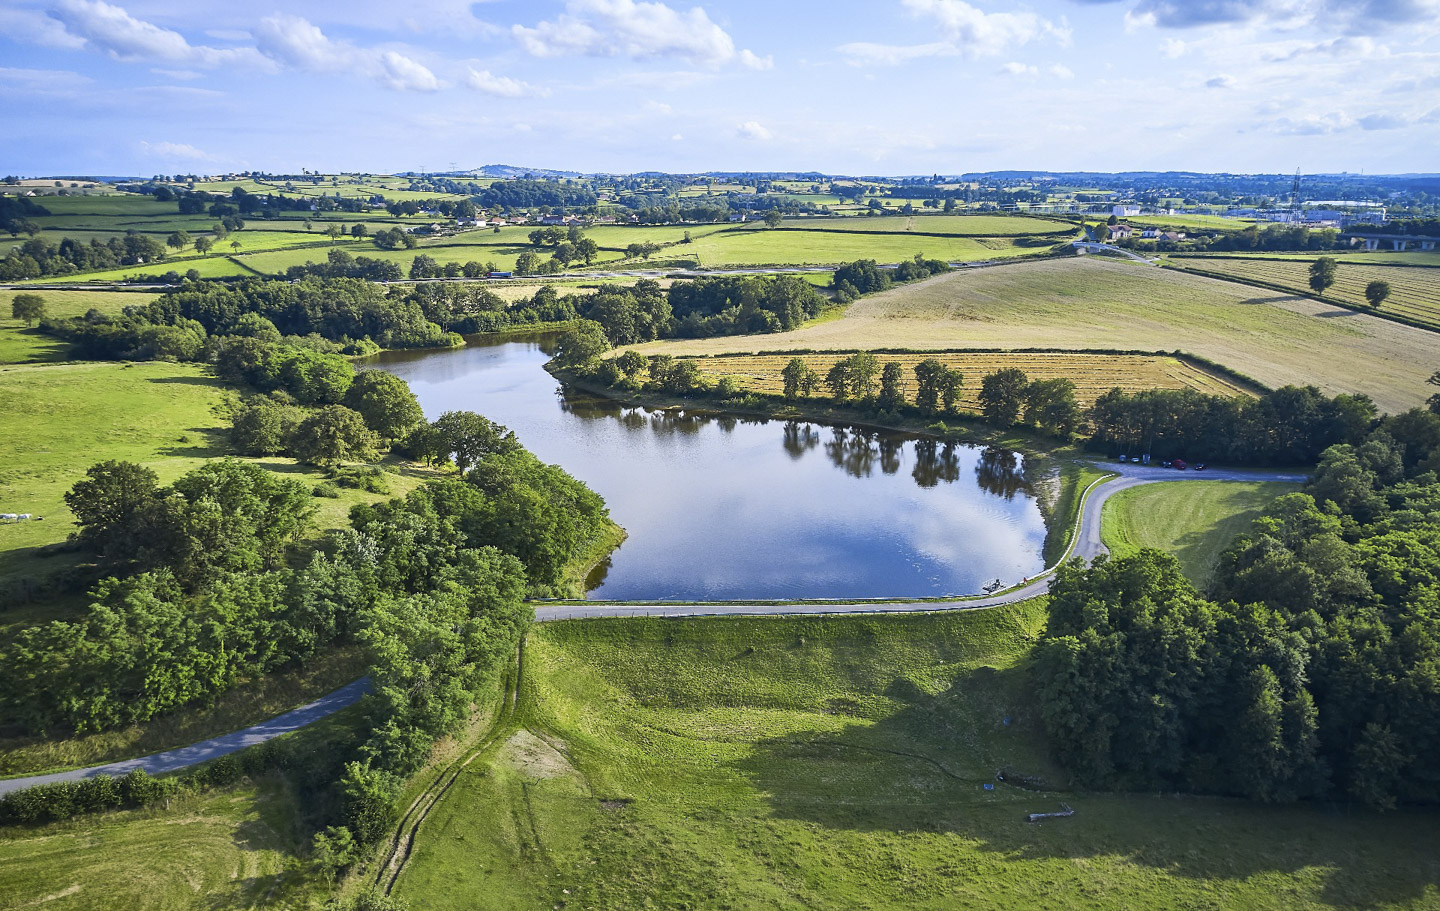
[1087, 543]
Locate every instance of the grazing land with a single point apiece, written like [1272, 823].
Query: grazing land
[842, 763]
[21, 344]
[69, 416]
[1092, 374]
[230, 849]
[1097, 303]
[1414, 292]
[1194, 521]
[953, 225]
[759, 246]
[1203, 222]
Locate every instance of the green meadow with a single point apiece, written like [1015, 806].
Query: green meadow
[842, 763]
[1195, 521]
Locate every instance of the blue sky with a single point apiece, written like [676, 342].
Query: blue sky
[846, 86]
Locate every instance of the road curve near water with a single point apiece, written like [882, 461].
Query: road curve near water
[1087, 543]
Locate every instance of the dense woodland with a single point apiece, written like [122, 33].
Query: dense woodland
[1311, 669]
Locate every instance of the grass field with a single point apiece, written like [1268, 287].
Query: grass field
[758, 246]
[20, 344]
[955, 225]
[1203, 222]
[1414, 292]
[1194, 521]
[1092, 374]
[1092, 303]
[213, 266]
[841, 763]
[230, 849]
[66, 417]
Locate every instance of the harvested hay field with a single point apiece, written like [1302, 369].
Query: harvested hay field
[1092, 374]
[1414, 291]
[1092, 303]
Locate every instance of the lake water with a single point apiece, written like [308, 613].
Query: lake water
[720, 508]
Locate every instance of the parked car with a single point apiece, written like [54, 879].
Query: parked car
[1179, 464]
[1200, 467]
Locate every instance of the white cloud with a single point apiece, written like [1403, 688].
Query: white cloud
[1353, 16]
[1019, 69]
[174, 151]
[112, 30]
[403, 74]
[1060, 71]
[34, 27]
[965, 31]
[865, 52]
[1174, 48]
[488, 83]
[753, 130]
[296, 43]
[1222, 81]
[43, 83]
[677, 138]
[638, 29]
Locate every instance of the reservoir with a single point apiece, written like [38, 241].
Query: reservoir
[725, 508]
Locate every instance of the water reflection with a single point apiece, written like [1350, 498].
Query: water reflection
[1001, 473]
[715, 509]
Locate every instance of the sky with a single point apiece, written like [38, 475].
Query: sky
[862, 87]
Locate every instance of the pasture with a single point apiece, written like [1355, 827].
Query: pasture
[1092, 374]
[66, 417]
[231, 849]
[953, 225]
[1194, 521]
[757, 246]
[22, 345]
[1414, 292]
[1080, 303]
[840, 763]
[1187, 220]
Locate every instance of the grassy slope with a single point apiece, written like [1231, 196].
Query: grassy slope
[1195, 522]
[1094, 303]
[758, 246]
[232, 848]
[22, 345]
[1414, 292]
[69, 416]
[228, 849]
[840, 763]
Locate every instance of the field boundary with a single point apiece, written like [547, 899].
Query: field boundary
[1310, 295]
[1194, 360]
[1286, 257]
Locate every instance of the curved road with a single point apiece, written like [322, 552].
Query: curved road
[1087, 543]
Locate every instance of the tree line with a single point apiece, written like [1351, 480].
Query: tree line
[1311, 670]
[353, 314]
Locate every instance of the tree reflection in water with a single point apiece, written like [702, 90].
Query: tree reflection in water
[799, 439]
[857, 452]
[935, 462]
[999, 472]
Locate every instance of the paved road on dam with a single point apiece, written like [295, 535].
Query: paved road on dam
[1086, 543]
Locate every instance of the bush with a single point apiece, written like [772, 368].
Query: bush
[326, 489]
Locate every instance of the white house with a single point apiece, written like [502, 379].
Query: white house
[1125, 211]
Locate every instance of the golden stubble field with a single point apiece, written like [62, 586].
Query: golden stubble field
[1092, 374]
[1095, 303]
